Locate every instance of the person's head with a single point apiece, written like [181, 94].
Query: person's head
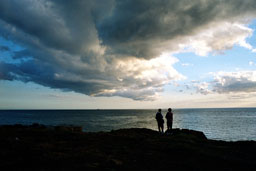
[170, 109]
[159, 110]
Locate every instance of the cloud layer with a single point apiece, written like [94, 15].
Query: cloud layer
[239, 82]
[116, 48]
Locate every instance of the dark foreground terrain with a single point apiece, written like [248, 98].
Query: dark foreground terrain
[38, 147]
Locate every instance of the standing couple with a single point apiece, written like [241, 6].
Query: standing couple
[160, 120]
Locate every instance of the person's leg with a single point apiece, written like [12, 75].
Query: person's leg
[170, 126]
[158, 126]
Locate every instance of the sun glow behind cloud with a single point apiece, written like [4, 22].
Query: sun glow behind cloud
[148, 77]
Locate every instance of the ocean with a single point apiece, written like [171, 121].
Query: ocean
[229, 124]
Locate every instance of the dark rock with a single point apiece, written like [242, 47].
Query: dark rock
[40, 147]
[197, 135]
[69, 128]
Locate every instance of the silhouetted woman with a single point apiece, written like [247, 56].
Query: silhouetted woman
[169, 118]
[160, 121]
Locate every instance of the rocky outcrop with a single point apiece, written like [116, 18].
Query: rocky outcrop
[39, 147]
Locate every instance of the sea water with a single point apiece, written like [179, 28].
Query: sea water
[230, 124]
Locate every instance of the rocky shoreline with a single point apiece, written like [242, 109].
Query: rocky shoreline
[38, 147]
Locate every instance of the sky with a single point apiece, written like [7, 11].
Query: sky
[127, 54]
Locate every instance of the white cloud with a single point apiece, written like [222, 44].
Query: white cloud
[186, 64]
[202, 88]
[218, 37]
[251, 63]
[229, 82]
[242, 81]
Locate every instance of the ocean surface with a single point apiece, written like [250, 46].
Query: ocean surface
[230, 124]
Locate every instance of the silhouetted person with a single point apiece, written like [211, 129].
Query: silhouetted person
[160, 121]
[169, 118]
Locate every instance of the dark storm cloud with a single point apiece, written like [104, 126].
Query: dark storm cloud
[65, 26]
[137, 27]
[6, 71]
[98, 47]
[4, 48]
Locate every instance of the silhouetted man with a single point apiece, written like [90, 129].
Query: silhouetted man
[160, 121]
[169, 118]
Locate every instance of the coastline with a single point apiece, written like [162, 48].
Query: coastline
[37, 147]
